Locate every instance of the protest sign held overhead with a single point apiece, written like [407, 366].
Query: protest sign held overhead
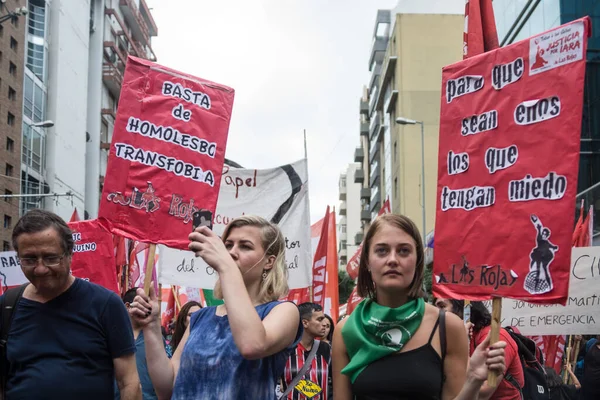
[166, 155]
[507, 173]
[278, 194]
[93, 254]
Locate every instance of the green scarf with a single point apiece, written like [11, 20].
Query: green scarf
[373, 331]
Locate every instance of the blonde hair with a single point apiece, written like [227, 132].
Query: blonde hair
[275, 285]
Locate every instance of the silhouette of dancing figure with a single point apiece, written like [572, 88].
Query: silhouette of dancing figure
[538, 280]
[464, 271]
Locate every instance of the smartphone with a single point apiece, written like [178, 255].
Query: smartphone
[202, 218]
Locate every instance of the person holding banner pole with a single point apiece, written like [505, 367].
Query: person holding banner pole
[377, 348]
[237, 350]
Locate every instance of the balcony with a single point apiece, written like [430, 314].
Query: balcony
[343, 208]
[343, 192]
[365, 193]
[365, 215]
[364, 129]
[375, 77]
[377, 50]
[388, 107]
[112, 78]
[359, 155]
[147, 15]
[374, 152]
[108, 115]
[374, 126]
[112, 52]
[130, 45]
[104, 146]
[388, 71]
[376, 202]
[364, 106]
[358, 238]
[343, 254]
[359, 176]
[374, 178]
[134, 19]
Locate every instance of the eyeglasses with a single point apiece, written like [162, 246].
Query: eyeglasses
[48, 261]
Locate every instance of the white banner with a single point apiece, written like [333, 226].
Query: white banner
[279, 195]
[10, 270]
[580, 316]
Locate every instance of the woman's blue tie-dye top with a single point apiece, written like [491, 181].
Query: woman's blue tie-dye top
[212, 367]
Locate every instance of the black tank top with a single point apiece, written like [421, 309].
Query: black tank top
[416, 374]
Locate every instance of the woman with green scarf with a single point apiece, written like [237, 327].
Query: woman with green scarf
[393, 345]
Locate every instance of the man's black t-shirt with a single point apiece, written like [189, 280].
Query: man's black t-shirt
[64, 349]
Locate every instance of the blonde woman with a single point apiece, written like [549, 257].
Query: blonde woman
[237, 350]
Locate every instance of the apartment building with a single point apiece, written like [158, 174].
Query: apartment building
[349, 233]
[12, 60]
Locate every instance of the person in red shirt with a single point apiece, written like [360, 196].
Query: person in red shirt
[478, 329]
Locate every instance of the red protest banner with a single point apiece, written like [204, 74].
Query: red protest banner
[93, 254]
[166, 155]
[507, 173]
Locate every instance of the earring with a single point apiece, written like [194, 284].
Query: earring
[264, 275]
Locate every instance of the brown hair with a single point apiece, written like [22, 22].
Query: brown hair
[38, 220]
[366, 286]
[181, 323]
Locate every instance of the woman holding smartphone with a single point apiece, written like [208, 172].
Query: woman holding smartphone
[237, 350]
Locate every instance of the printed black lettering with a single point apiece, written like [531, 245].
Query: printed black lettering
[212, 150]
[534, 111]
[468, 198]
[200, 99]
[480, 123]
[133, 124]
[170, 164]
[498, 159]
[167, 87]
[505, 74]
[463, 85]
[553, 187]
[457, 163]
[145, 128]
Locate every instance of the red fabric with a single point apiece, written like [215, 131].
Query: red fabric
[75, 216]
[170, 311]
[167, 153]
[553, 349]
[320, 262]
[480, 28]
[488, 202]
[93, 256]
[353, 301]
[505, 390]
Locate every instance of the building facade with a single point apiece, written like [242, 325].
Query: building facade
[75, 53]
[349, 233]
[12, 60]
[516, 21]
[405, 64]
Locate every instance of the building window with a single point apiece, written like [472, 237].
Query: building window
[1, 31]
[36, 53]
[33, 100]
[343, 228]
[395, 188]
[343, 182]
[10, 119]
[343, 244]
[35, 59]
[8, 193]
[395, 152]
[7, 221]
[10, 145]
[30, 185]
[8, 171]
[33, 144]
[12, 94]
[13, 44]
[15, 21]
[5, 246]
[12, 69]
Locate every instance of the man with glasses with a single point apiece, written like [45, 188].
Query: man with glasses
[69, 338]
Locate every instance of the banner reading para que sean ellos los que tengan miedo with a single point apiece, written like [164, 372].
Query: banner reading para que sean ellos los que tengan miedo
[507, 173]
[166, 155]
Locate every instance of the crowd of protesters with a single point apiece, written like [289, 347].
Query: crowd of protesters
[72, 339]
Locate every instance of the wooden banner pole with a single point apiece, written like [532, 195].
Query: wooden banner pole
[149, 268]
[495, 334]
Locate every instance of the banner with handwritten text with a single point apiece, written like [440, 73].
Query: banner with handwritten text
[581, 315]
[507, 172]
[277, 194]
[166, 154]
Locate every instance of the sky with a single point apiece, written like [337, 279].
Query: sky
[295, 65]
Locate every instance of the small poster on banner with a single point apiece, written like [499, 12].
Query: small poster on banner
[166, 155]
[11, 273]
[93, 254]
[507, 169]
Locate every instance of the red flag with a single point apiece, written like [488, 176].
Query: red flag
[137, 266]
[170, 310]
[320, 263]
[332, 304]
[75, 216]
[480, 28]
[353, 263]
[578, 227]
[353, 301]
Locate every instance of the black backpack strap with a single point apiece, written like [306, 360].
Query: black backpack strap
[8, 306]
[511, 379]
